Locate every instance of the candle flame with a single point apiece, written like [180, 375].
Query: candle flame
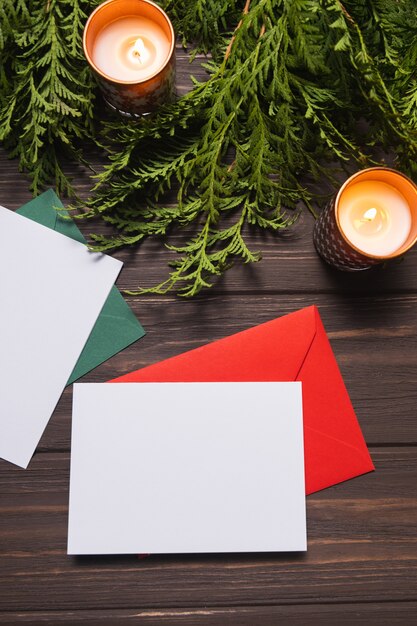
[370, 214]
[138, 48]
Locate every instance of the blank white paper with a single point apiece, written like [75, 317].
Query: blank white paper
[52, 291]
[186, 467]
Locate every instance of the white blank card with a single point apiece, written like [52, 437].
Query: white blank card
[52, 291]
[187, 467]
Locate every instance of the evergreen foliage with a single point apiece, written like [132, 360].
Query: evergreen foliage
[288, 83]
[47, 92]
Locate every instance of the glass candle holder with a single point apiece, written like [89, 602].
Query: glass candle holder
[130, 45]
[373, 218]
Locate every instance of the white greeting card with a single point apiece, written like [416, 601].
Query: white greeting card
[52, 291]
[187, 467]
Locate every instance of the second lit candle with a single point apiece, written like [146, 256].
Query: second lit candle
[375, 217]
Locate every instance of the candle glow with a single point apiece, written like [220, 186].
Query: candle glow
[370, 214]
[375, 217]
[139, 52]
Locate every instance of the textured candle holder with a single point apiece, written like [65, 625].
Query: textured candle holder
[136, 97]
[332, 244]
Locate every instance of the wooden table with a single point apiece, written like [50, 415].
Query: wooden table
[361, 564]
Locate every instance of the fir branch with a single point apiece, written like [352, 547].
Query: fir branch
[234, 110]
[48, 96]
[295, 78]
[288, 83]
[206, 24]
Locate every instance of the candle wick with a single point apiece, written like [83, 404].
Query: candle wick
[369, 215]
[138, 48]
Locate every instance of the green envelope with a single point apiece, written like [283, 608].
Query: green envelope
[116, 327]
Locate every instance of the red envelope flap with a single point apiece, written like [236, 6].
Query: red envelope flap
[273, 351]
[334, 447]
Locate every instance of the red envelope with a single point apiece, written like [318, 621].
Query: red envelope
[292, 347]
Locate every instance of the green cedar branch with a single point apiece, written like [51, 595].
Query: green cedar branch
[47, 89]
[295, 79]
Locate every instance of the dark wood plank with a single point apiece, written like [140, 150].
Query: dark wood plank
[289, 264]
[361, 566]
[374, 339]
[383, 614]
[362, 548]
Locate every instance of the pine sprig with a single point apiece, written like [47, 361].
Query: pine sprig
[47, 95]
[296, 77]
[205, 24]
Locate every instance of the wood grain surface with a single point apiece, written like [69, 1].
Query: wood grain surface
[361, 564]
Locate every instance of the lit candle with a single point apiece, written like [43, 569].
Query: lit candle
[131, 49]
[130, 46]
[373, 218]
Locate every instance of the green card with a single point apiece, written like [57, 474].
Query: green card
[117, 327]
